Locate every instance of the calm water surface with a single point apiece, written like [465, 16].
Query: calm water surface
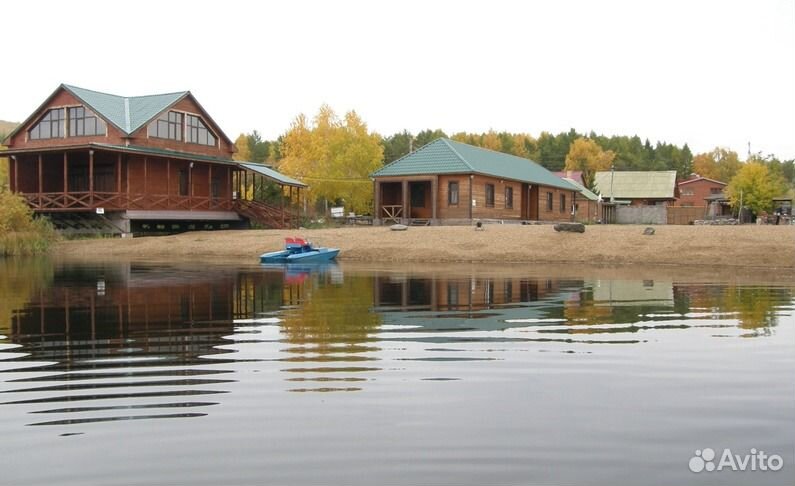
[128, 373]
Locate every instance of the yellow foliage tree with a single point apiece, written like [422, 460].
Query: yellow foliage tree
[243, 151]
[720, 164]
[587, 156]
[334, 156]
[757, 187]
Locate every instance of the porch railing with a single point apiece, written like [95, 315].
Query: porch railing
[392, 212]
[88, 201]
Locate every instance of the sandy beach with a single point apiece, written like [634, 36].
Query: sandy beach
[770, 247]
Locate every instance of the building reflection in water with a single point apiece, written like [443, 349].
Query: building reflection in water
[126, 341]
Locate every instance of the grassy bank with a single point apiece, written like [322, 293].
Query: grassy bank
[768, 247]
[20, 232]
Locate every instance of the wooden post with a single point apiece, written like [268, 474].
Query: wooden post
[434, 196]
[118, 173]
[91, 177]
[168, 180]
[245, 184]
[16, 174]
[127, 175]
[41, 181]
[405, 195]
[376, 200]
[471, 181]
[210, 179]
[281, 198]
[65, 173]
[146, 172]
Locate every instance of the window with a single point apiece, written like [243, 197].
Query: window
[562, 203]
[715, 190]
[50, 126]
[549, 201]
[198, 132]
[83, 122]
[418, 196]
[452, 193]
[489, 195]
[687, 192]
[168, 125]
[183, 182]
[509, 197]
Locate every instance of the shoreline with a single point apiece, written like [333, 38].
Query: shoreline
[749, 246]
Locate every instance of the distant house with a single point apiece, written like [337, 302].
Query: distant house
[586, 203]
[156, 162]
[694, 192]
[454, 183]
[637, 188]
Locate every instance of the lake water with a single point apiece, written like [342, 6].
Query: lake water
[131, 373]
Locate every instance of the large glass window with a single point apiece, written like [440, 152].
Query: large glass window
[452, 193]
[562, 203]
[50, 125]
[489, 195]
[549, 201]
[168, 125]
[508, 197]
[198, 132]
[84, 122]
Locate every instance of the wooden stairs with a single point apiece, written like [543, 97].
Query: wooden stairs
[265, 214]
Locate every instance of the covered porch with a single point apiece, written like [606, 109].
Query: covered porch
[406, 200]
[254, 198]
[99, 179]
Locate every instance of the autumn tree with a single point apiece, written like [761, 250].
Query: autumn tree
[720, 164]
[243, 152]
[334, 156]
[756, 186]
[587, 156]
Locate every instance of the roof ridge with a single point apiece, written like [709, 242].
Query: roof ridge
[161, 94]
[408, 154]
[71, 86]
[460, 157]
[127, 114]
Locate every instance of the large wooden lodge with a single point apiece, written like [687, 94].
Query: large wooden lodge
[143, 163]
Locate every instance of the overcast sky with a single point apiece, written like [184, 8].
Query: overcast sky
[706, 73]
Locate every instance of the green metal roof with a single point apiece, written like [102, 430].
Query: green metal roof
[251, 166]
[445, 156]
[271, 174]
[636, 184]
[174, 154]
[583, 190]
[127, 113]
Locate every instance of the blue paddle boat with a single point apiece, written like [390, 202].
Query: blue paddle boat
[299, 250]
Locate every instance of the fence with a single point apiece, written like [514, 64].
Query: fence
[686, 215]
[641, 215]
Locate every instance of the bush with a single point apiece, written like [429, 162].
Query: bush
[20, 232]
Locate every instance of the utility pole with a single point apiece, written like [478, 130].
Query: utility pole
[740, 212]
[612, 175]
